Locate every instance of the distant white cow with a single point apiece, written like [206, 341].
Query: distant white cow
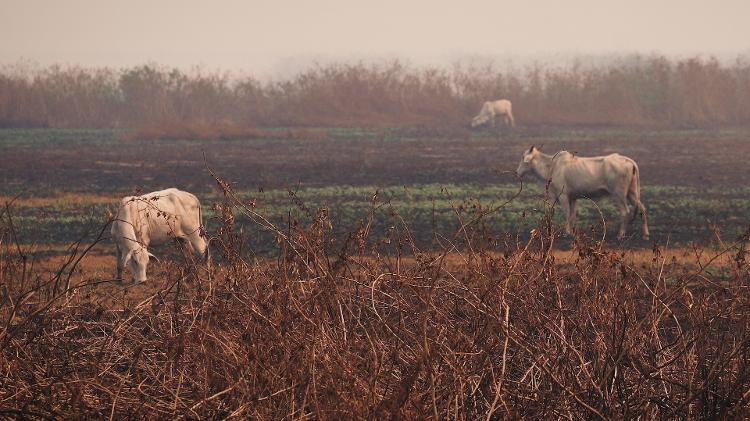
[571, 178]
[491, 110]
[155, 218]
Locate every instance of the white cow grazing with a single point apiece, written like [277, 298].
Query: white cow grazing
[491, 110]
[571, 178]
[155, 218]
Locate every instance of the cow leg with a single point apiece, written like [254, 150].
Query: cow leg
[565, 208]
[572, 215]
[644, 220]
[120, 263]
[635, 201]
[497, 127]
[200, 247]
[511, 120]
[622, 206]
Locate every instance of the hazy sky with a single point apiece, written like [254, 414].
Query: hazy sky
[259, 35]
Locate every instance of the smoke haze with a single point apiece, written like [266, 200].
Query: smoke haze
[272, 36]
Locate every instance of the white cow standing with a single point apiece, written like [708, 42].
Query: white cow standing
[155, 218]
[571, 178]
[491, 110]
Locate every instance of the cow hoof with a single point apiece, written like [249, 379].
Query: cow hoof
[129, 284]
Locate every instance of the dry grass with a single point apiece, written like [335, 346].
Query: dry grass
[100, 263]
[485, 328]
[631, 90]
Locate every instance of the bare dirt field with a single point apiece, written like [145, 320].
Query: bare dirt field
[40, 161]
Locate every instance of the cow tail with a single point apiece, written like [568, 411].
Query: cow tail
[202, 232]
[635, 184]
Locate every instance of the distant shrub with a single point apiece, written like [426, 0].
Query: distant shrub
[633, 90]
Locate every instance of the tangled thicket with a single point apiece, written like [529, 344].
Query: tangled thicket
[370, 327]
[633, 90]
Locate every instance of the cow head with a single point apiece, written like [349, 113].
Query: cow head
[137, 261]
[479, 120]
[527, 161]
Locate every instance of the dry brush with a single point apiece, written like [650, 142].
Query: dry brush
[369, 326]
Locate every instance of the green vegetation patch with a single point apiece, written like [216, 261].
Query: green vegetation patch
[677, 213]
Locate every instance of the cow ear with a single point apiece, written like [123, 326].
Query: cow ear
[127, 258]
[531, 149]
[155, 258]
